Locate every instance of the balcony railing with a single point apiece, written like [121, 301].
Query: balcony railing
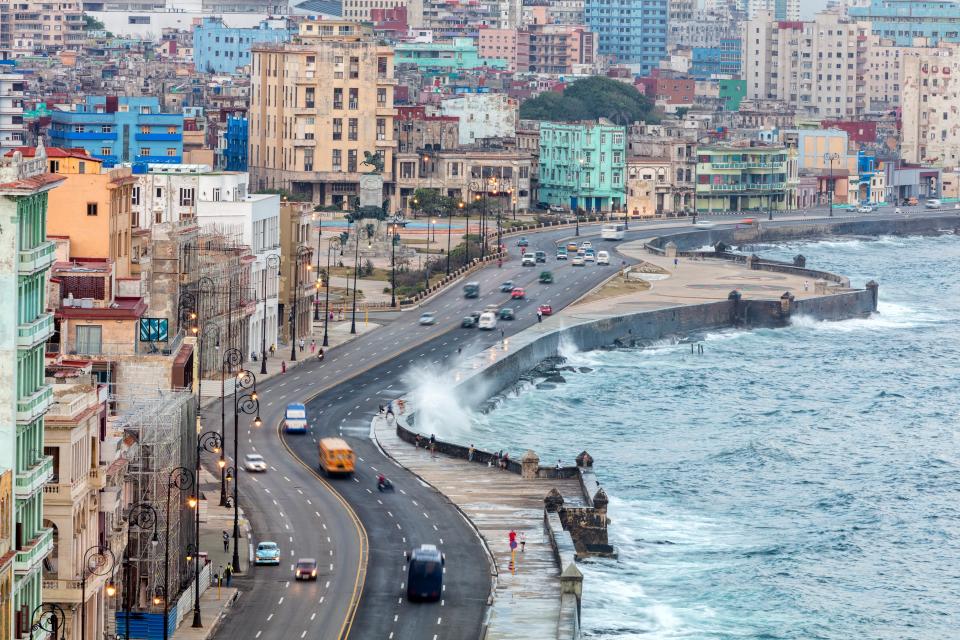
[66, 590]
[31, 334]
[72, 408]
[35, 405]
[745, 165]
[158, 137]
[33, 260]
[30, 481]
[85, 135]
[34, 552]
[747, 186]
[137, 348]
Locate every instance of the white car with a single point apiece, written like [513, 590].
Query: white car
[428, 318]
[589, 257]
[254, 463]
[586, 244]
[865, 208]
[603, 257]
[529, 260]
[577, 261]
[933, 203]
[488, 321]
[704, 224]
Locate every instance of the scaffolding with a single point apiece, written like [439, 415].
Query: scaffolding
[161, 426]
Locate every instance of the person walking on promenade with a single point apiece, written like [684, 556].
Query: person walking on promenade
[228, 574]
[313, 345]
[523, 543]
[301, 345]
[273, 350]
[433, 446]
[283, 366]
[806, 285]
[505, 462]
[226, 542]
[470, 453]
[539, 315]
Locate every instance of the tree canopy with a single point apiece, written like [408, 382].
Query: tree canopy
[590, 99]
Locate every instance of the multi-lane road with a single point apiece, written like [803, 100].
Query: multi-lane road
[357, 534]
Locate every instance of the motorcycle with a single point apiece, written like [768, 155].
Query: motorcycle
[384, 484]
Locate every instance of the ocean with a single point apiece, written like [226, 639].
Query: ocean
[787, 483]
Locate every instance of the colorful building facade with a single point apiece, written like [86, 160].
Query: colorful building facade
[236, 140]
[630, 32]
[218, 48]
[583, 165]
[904, 20]
[459, 54]
[755, 178]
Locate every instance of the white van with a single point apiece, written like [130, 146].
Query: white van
[529, 260]
[603, 257]
[487, 321]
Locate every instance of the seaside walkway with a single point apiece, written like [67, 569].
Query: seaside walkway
[527, 598]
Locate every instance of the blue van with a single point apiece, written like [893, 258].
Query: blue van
[425, 575]
[295, 420]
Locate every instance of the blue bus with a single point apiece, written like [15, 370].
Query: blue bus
[425, 575]
[295, 420]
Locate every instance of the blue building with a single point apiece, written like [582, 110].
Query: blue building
[904, 20]
[120, 129]
[235, 149]
[218, 48]
[630, 31]
[707, 62]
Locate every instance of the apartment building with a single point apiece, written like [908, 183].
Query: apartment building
[7, 553]
[25, 396]
[661, 169]
[632, 32]
[780, 9]
[906, 21]
[318, 104]
[929, 132]
[12, 129]
[819, 67]
[360, 10]
[41, 26]
[582, 165]
[745, 178]
[219, 48]
[569, 12]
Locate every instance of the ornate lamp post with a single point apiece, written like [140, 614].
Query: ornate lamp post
[181, 479]
[97, 561]
[52, 620]
[356, 268]
[394, 240]
[211, 442]
[272, 264]
[316, 294]
[301, 253]
[831, 158]
[245, 400]
[460, 206]
[144, 517]
[333, 243]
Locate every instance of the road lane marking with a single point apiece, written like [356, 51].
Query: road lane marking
[269, 617]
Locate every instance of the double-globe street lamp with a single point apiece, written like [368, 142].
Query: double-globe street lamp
[97, 561]
[272, 265]
[141, 516]
[181, 479]
[335, 243]
[211, 442]
[831, 158]
[245, 401]
[302, 252]
[52, 620]
[316, 294]
[356, 269]
[394, 233]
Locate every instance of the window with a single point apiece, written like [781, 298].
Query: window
[354, 68]
[158, 193]
[145, 129]
[352, 160]
[406, 170]
[338, 98]
[186, 196]
[309, 97]
[171, 152]
[82, 166]
[135, 196]
[308, 159]
[172, 130]
[54, 166]
[354, 98]
[104, 151]
[352, 129]
[381, 67]
[91, 208]
[144, 151]
[338, 128]
[88, 339]
[337, 160]
[107, 128]
[381, 97]
[216, 194]
[78, 128]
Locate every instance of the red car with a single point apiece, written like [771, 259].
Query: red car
[545, 309]
[518, 293]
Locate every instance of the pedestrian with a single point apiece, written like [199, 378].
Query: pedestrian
[283, 366]
[433, 446]
[505, 462]
[559, 465]
[470, 452]
[226, 542]
[676, 262]
[313, 345]
[416, 441]
[219, 575]
[390, 409]
[228, 574]
[330, 316]
[806, 285]
[459, 349]
[301, 345]
[539, 315]
[501, 334]
[273, 349]
[523, 542]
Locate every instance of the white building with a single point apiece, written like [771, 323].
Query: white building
[482, 115]
[930, 116]
[12, 131]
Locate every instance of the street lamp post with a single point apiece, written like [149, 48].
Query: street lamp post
[144, 517]
[467, 236]
[211, 442]
[243, 402]
[316, 295]
[831, 158]
[333, 242]
[579, 188]
[181, 479]
[97, 561]
[356, 269]
[52, 621]
[460, 206]
[394, 239]
[272, 265]
[301, 252]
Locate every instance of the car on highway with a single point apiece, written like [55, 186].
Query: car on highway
[528, 260]
[506, 314]
[488, 321]
[748, 221]
[540, 256]
[295, 418]
[518, 293]
[865, 208]
[933, 203]
[336, 457]
[425, 573]
[561, 254]
[603, 257]
[254, 463]
[506, 287]
[911, 201]
[572, 247]
[557, 208]
[590, 256]
[427, 318]
[471, 290]
[577, 261]
[704, 224]
[468, 322]
[267, 553]
[545, 309]
[586, 244]
[546, 277]
[523, 242]
[305, 569]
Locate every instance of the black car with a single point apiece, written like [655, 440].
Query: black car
[541, 256]
[506, 314]
[507, 286]
[306, 569]
[469, 322]
[425, 574]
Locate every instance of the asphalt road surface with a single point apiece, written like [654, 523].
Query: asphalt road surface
[357, 534]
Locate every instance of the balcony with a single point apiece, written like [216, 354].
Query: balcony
[83, 135]
[746, 186]
[36, 259]
[158, 137]
[745, 165]
[34, 552]
[64, 493]
[30, 481]
[98, 476]
[159, 159]
[32, 334]
[34, 405]
[67, 591]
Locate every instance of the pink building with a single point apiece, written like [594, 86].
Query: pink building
[506, 44]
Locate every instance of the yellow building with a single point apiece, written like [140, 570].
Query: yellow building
[91, 207]
[317, 104]
[7, 554]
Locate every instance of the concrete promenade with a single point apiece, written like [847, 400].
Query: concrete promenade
[527, 595]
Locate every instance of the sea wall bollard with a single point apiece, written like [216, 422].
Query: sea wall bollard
[529, 465]
[553, 501]
[734, 298]
[799, 261]
[874, 290]
[786, 305]
[584, 459]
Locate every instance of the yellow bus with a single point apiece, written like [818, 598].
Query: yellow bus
[336, 457]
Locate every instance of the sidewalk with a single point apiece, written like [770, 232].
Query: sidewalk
[214, 604]
[214, 520]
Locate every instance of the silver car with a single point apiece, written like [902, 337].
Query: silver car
[254, 463]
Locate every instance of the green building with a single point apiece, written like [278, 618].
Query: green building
[582, 165]
[25, 325]
[732, 92]
[459, 54]
[752, 178]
